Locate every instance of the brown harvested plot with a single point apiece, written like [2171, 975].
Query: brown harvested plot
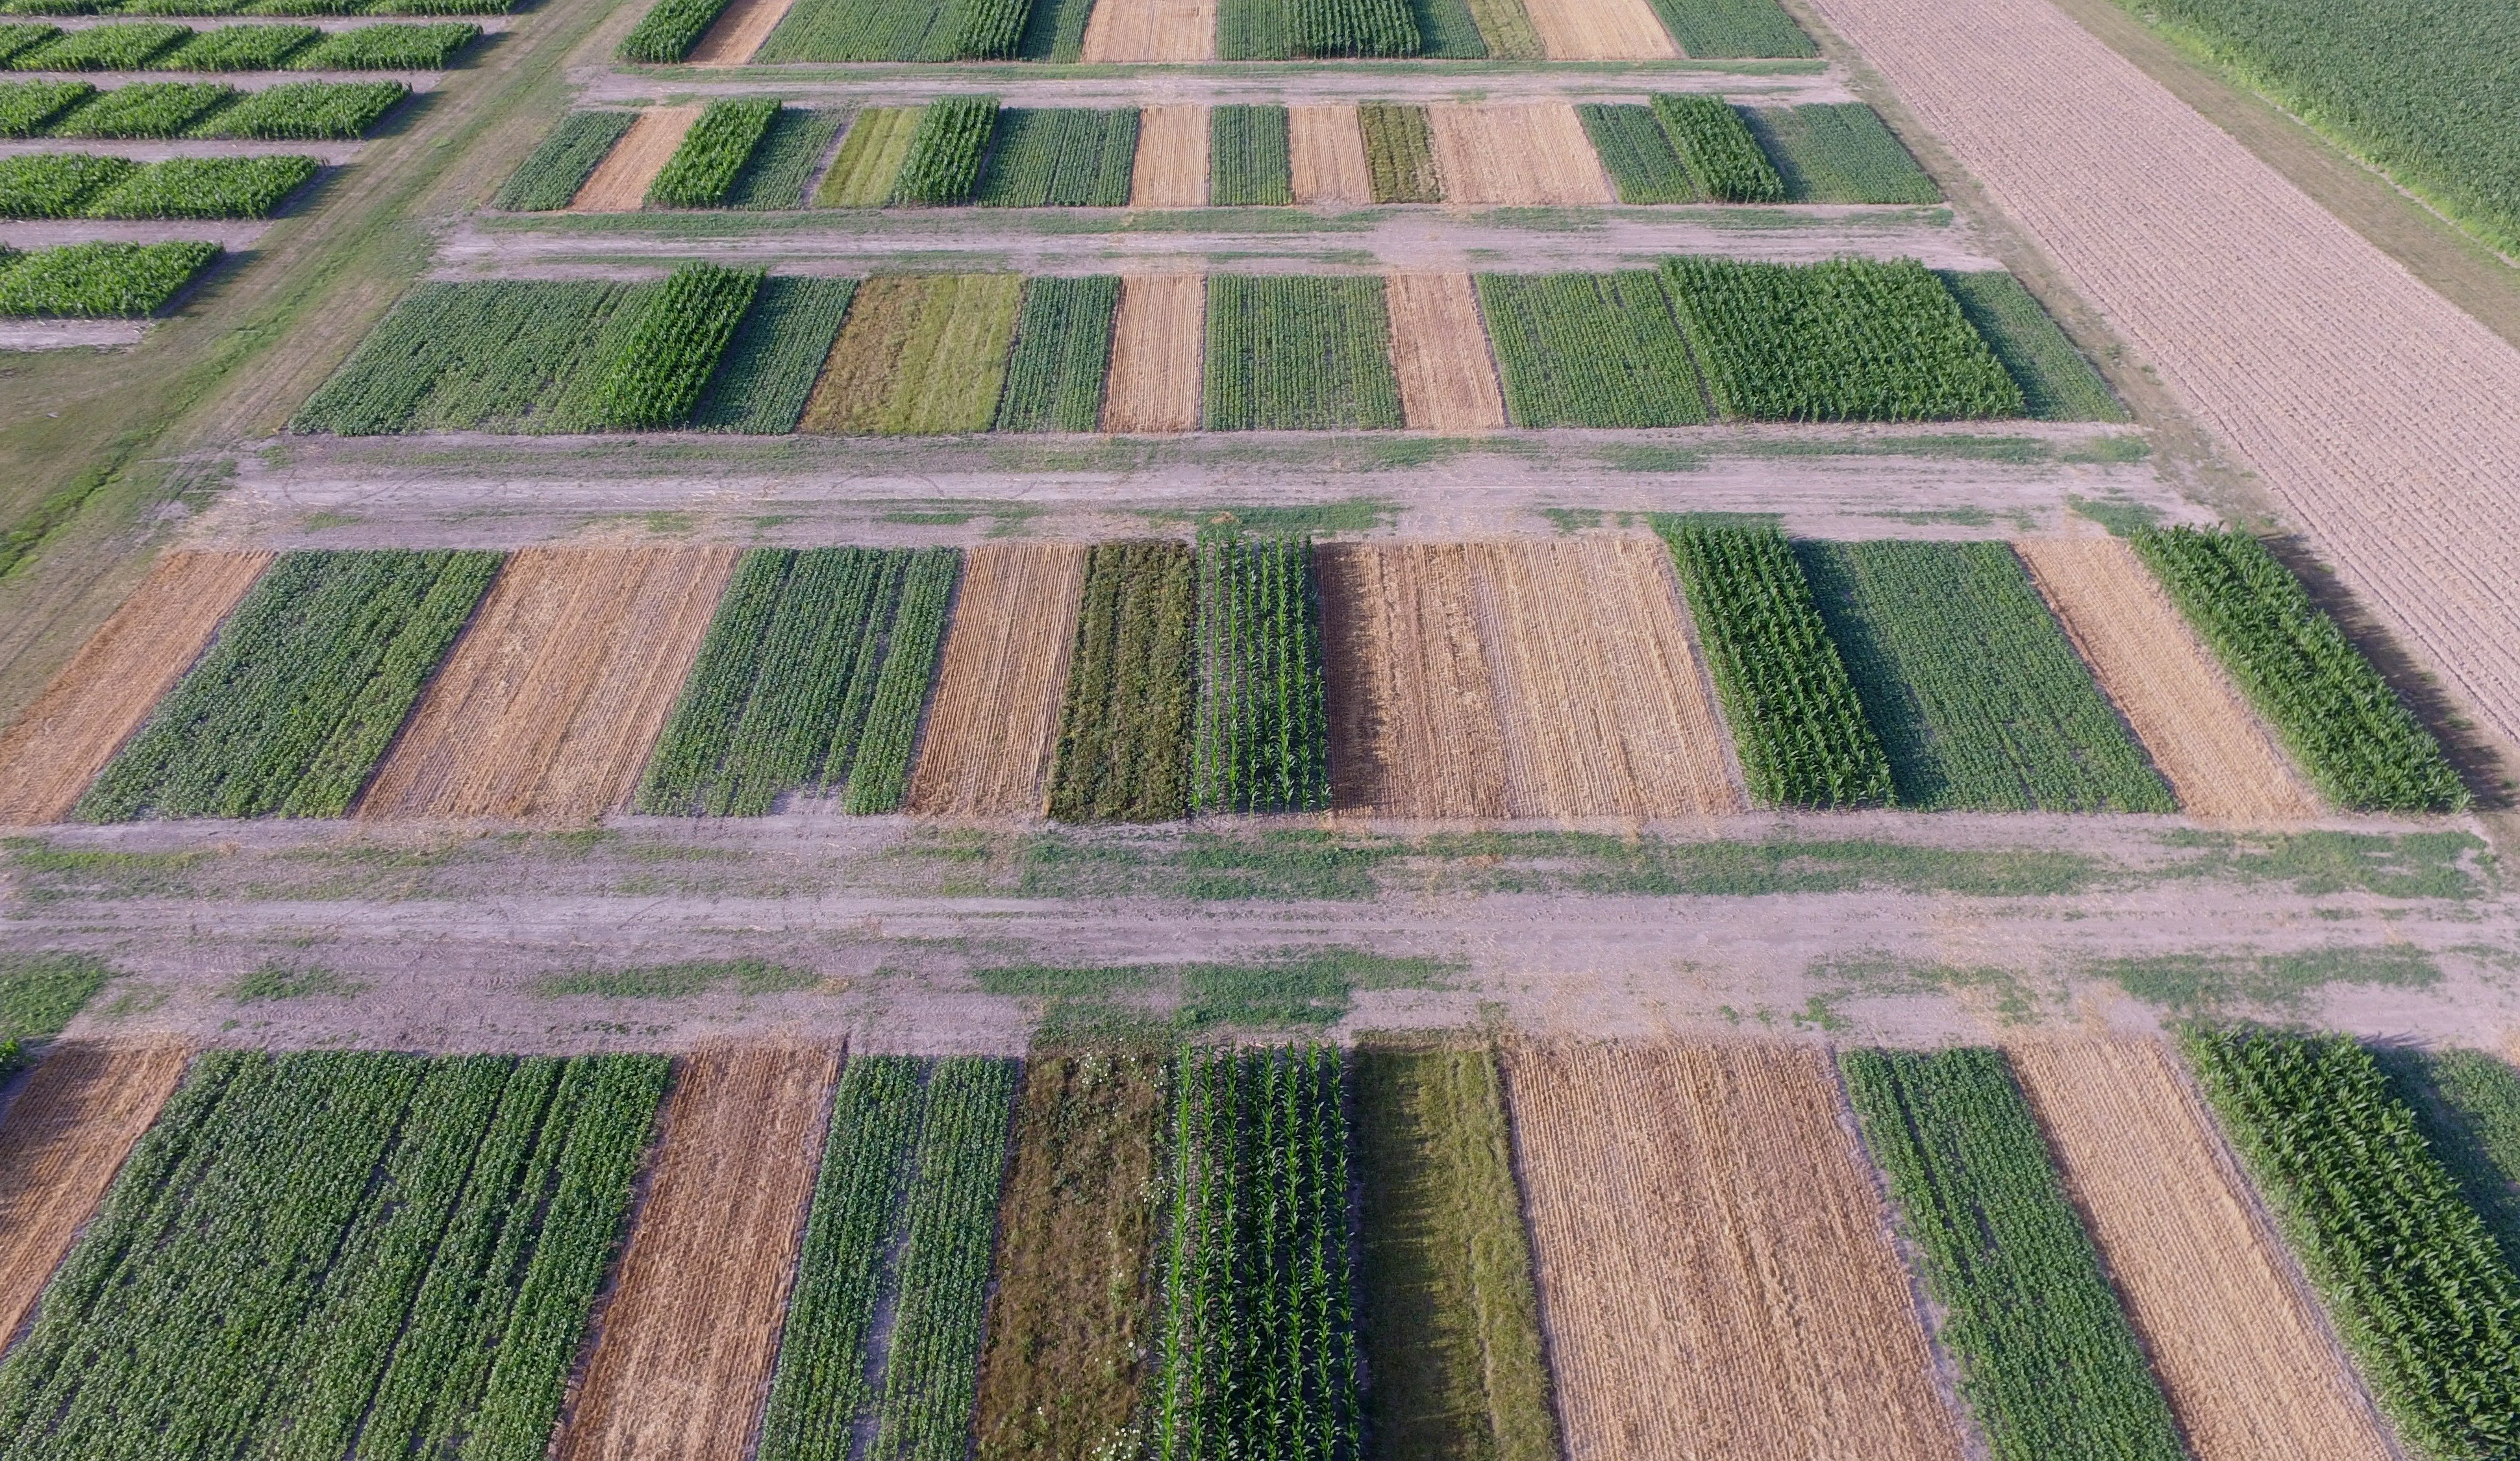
[995, 719]
[1131, 31]
[1171, 166]
[554, 695]
[1526, 154]
[65, 1139]
[1414, 728]
[1157, 346]
[1326, 151]
[619, 183]
[1715, 1274]
[2216, 752]
[738, 31]
[48, 758]
[1439, 351]
[1601, 30]
[682, 1358]
[2249, 1367]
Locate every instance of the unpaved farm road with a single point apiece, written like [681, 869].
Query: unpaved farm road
[1239, 82]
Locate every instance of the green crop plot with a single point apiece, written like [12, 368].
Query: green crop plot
[294, 704]
[1262, 739]
[127, 46]
[2467, 1105]
[204, 188]
[768, 368]
[943, 162]
[92, 280]
[1060, 157]
[1063, 355]
[388, 48]
[1637, 153]
[27, 107]
[1125, 726]
[712, 155]
[783, 165]
[1298, 352]
[55, 185]
[336, 1254]
[1848, 339]
[676, 334]
[2048, 1360]
[1800, 727]
[1284, 29]
[1838, 153]
[16, 38]
[1713, 143]
[2057, 383]
[1728, 29]
[1971, 685]
[496, 356]
[905, 31]
[871, 157]
[1247, 163]
[669, 29]
[1056, 31]
[1399, 153]
[147, 110]
[2347, 729]
[239, 48]
[310, 111]
[1589, 350]
[552, 174]
[812, 677]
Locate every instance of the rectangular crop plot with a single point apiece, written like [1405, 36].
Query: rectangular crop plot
[1412, 721]
[1848, 339]
[1172, 163]
[97, 280]
[768, 368]
[1286, 29]
[1125, 728]
[1263, 736]
[290, 710]
[1637, 153]
[995, 719]
[907, 30]
[551, 175]
[2057, 383]
[508, 355]
[620, 182]
[1439, 355]
[1158, 335]
[1325, 151]
[1133, 30]
[775, 177]
[1600, 30]
[1063, 355]
[812, 677]
[1725, 29]
[1060, 157]
[871, 157]
[405, 1252]
[1298, 352]
[1518, 153]
[1247, 158]
[67, 1134]
[1975, 692]
[1399, 153]
[921, 354]
[1590, 349]
[712, 153]
[1838, 153]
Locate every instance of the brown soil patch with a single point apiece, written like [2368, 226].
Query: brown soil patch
[1159, 342]
[683, 1360]
[1715, 1274]
[738, 31]
[1600, 30]
[2248, 1366]
[48, 758]
[552, 700]
[1131, 31]
[1523, 154]
[65, 1139]
[619, 183]
[1439, 351]
[2219, 756]
[995, 718]
[1326, 151]
[1171, 166]
[1414, 730]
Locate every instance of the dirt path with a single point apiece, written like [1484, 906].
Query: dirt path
[1158, 348]
[619, 183]
[1439, 351]
[991, 728]
[1525, 155]
[738, 31]
[62, 1140]
[1029, 84]
[2383, 417]
[1326, 153]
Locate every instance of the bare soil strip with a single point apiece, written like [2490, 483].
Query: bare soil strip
[1326, 147]
[619, 183]
[1522, 154]
[1439, 351]
[1716, 1277]
[2217, 755]
[682, 1362]
[102, 695]
[738, 31]
[991, 729]
[1159, 339]
[65, 1139]
[1604, 704]
[554, 695]
[1414, 728]
[2377, 411]
[2248, 1365]
[1150, 30]
[1171, 166]
[1601, 30]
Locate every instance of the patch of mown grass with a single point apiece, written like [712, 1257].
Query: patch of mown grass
[1310, 990]
[2452, 865]
[683, 980]
[1317, 518]
[46, 873]
[2217, 983]
[1603, 863]
[41, 993]
[280, 980]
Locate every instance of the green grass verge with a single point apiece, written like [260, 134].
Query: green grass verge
[41, 993]
[1262, 740]
[1298, 352]
[1125, 724]
[1062, 354]
[1589, 350]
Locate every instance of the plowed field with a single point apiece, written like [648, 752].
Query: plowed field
[1326, 151]
[1414, 728]
[1150, 30]
[682, 1361]
[619, 183]
[553, 698]
[2248, 1365]
[1439, 351]
[1600, 30]
[1715, 1274]
[2218, 755]
[102, 695]
[1171, 166]
[995, 719]
[1525, 153]
[1157, 344]
[738, 31]
[65, 1139]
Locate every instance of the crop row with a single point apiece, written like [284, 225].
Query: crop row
[297, 111]
[1125, 722]
[1061, 359]
[1263, 731]
[1298, 352]
[76, 184]
[897, 31]
[157, 46]
[92, 280]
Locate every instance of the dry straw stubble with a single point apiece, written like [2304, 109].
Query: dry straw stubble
[1600, 30]
[1170, 170]
[61, 1143]
[1517, 154]
[619, 183]
[1157, 346]
[53, 751]
[1439, 352]
[738, 31]
[1326, 148]
[1132, 30]
[1414, 727]
[995, 718]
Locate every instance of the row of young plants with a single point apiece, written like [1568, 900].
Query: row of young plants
[1298, 352]
[1062, 360]
[160, 46]
[1589, 350]
[1292, 29]
[1262, 739]
[1126, 721]
[1723, 161]
[900, 30]
[1248, 164]
[79, 185]
[98, 280]
[295, 112]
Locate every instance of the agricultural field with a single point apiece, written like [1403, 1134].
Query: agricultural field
[1126, 725]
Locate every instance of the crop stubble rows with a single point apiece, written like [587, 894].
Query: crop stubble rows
[65, 1139]
[995, 718]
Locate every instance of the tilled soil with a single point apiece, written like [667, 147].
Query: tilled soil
[1127, 31]
[1159, 349]
[1600, 30]
[1170, 169]
[993, 720]
[1326, 154]
[738, 31]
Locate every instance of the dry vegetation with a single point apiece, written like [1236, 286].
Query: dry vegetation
[48, 758]
[2248, 1365]
[552, 700]
[1439, 351]
[1715, 1273]
[619, 183]
[738, 31]
[1150, 30]
[1326, 151]
[995, 718]
[63, 1140]
[1522, 154]
[1171, 166]
[1600, 30]
[2216, 752]
[1414, 731]
[1157, 344]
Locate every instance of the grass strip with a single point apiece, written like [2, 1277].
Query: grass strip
[1125, 724]
[1061, 359]
[551, 175]
[2057, 383]
[870, 159]
[1589, 350]
[768, 368]
[1298, 352]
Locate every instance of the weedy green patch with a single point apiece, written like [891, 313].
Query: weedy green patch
[2231, 984]
[688, 980]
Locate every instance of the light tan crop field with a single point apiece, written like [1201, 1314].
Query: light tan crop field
[1601, 30]
[738, 31]
[65, 1139]
[1325, 151]
[1158, 342]
[2217, 755]
[995, 717]
[2247, 1364]
[49, 754]
[1414, 730]
[1716, 1274]
[1150, 30]
[1517, 155]
[619, 183]
[1170, 170]
[552, 700]
[682, 1357]
[1439, 351]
